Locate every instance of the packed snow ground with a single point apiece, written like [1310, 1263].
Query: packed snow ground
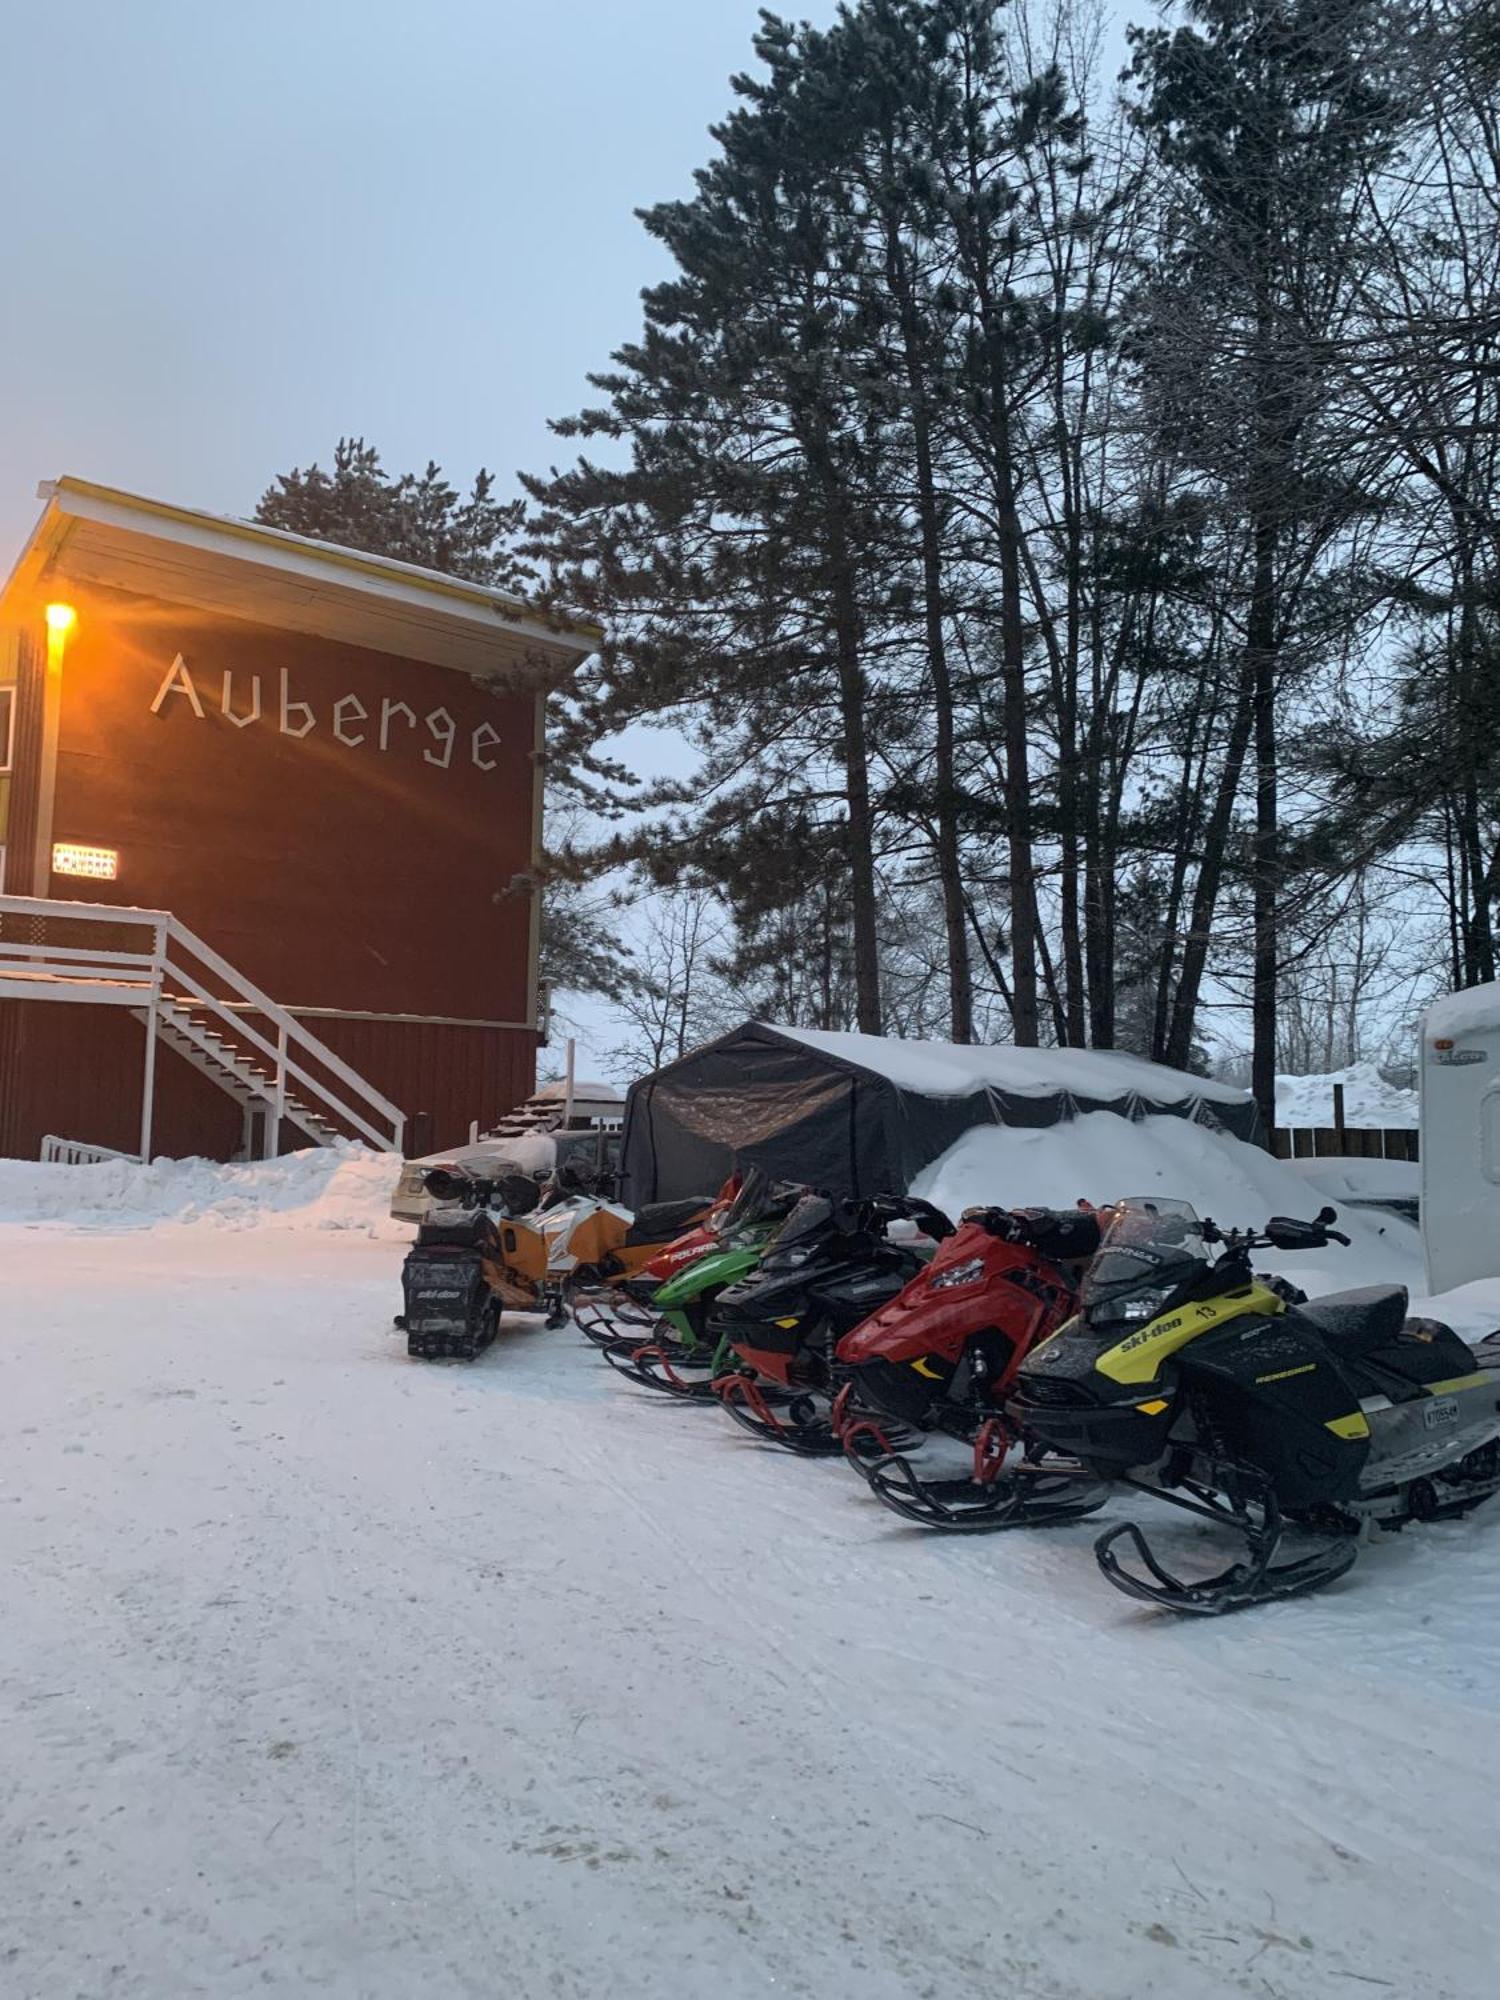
[329, 1672]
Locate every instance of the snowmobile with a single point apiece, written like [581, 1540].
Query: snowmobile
[942, 1355]
[833, 1262]
[603, 1244]
[681, 1358]
[452, 1278]
[1280, 1418]
[628, 1305]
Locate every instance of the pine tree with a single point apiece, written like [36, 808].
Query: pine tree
[1268, 118]
[416, 517]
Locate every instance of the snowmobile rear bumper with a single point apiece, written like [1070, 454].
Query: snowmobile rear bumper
[450, 1312]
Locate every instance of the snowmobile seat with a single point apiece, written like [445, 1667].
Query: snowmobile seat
[660, 1221]
[469, 1232]
[1359, 1321]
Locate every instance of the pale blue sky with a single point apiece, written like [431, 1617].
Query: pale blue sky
[232, 232]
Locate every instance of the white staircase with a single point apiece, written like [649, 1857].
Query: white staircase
[236, 1072]
[195, 1002]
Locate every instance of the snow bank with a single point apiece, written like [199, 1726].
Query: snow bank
[1100, 1157]
[1469, 1012]
[327, 1187]
[1361, 1180]
[1369, 1101]
[949, 1069]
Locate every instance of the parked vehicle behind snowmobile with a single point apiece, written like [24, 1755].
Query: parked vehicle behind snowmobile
[942, 1355]
[1187, 1376]
[680, 1356]
[832, 1263]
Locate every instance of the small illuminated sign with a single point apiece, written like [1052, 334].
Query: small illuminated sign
[100, 864]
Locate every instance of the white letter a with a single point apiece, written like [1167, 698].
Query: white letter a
[178, 681]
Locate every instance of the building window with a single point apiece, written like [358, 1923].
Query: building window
[7, 727]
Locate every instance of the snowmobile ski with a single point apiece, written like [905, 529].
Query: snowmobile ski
[990, 1498]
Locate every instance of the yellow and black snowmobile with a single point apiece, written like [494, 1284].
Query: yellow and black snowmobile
[1296, 1423]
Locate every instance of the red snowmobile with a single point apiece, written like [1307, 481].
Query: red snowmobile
[941, 1358]
[628, 1303]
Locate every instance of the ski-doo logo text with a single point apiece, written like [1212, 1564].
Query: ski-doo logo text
[351, 720]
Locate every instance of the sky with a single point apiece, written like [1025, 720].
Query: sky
[234, 232]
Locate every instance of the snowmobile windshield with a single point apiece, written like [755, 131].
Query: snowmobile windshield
[749, 1205]
[1151, 1253]
[811, 1218]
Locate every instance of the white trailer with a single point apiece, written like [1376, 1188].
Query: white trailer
[1460, 1148]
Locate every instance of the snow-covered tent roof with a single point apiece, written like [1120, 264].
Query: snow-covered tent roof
[864, 1114]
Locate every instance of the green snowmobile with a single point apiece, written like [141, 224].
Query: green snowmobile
[678, 1355]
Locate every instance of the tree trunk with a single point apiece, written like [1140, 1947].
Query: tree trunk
[863, 901]
[1266, 862]
[1020, 865]
[1210, 876]
[949, 863]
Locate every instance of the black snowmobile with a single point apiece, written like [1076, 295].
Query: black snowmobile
[451, 1309]
[677, 1357]
[1284, 1419]
[832, 1263]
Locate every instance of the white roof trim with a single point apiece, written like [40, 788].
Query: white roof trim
[398, 584]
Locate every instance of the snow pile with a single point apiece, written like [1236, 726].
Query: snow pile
[327, 1187]
[1369, 1101]
[1469, 1012]
[1100, 1157]
[1361, 1180]
[951, 1069]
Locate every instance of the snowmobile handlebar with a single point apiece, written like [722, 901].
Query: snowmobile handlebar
[1282, 1232]
[1063, 1233]
[911, 1208]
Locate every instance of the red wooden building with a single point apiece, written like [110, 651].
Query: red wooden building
[268, 812]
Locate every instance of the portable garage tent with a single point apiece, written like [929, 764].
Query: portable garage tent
[1460, 1073]
[863, 1114]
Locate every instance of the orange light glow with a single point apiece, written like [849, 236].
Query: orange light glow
[61, 618]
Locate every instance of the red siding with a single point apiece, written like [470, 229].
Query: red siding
[20, 832]
[77, 1071]
[331, 871]
[333, 874]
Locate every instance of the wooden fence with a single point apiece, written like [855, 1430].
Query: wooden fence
[1343, 1140]
[1359, 1142]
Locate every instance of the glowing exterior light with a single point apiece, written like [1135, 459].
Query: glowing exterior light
[101, 864]
[61, 618]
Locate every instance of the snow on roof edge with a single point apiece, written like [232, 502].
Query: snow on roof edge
[1466, 1012]
[951, 1069]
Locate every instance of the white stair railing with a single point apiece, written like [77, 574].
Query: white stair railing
[58, 1152]
[167, 973]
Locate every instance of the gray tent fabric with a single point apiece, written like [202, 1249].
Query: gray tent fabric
[861, 1115]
